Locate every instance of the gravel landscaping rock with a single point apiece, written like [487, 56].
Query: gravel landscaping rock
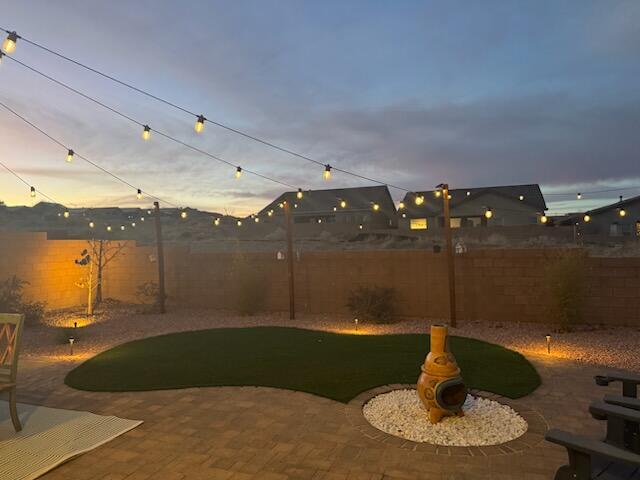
[486, 422]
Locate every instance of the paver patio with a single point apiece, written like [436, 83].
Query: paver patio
[270, 434]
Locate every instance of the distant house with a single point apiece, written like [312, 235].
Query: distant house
[369, 207]
[619, 219]
[508, 205]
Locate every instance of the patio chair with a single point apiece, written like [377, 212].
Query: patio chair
[10, 330]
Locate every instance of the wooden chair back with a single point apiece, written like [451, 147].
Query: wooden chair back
[11, 325]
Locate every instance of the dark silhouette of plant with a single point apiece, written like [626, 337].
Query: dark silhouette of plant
[565, 278]
[11, 301]
[373, 304]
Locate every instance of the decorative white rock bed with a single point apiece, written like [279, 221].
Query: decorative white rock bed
[486, 422]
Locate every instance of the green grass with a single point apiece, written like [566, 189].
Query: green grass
[331, 365]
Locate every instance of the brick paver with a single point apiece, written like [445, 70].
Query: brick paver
[238, 433]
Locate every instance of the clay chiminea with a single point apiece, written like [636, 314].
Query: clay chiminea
[440, 386]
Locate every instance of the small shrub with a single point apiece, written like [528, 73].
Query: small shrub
[249, 288]
[373, 304]
[11, 301]
[565, 282]
[148, 294]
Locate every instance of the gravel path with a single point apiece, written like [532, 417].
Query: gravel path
[118, 323]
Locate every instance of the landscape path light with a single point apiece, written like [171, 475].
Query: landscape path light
[71, 340]
[548, 338]
[355, 320]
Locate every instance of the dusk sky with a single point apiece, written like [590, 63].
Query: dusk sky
[411, 93]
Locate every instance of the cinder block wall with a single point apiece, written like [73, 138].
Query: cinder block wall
[504, 285]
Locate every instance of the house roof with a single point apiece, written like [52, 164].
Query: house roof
[615, 205]
[323, 201]
[531, 196]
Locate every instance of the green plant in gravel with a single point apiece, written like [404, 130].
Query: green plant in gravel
[373, 304]
[331, 365]
[565, 279]
[11, 300]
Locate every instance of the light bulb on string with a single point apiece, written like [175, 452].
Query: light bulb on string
[70, 155]
[239, 223]
[183, 214]
[438, 193]
[139, 194]
[521, 197]
[146, 133]
[216, 221]
[256, 219]
[9, 44]
[543, 219]
[419, 200]
[335, 209]
[299, 194]
[270, 213]
[468, 193]
[327, 172]
[91, 224]
[343, 204]
[586, 218]
[133, 224]
[488, 213]
[122, 227]
[375, 207]
[579, 196]
[109, 228]
[401, 206]
[622, 212]
[238, 172]
[199, 126]
[32, 192]
[66, 214]
[142, 219]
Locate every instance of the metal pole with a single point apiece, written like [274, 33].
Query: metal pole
[289, 228]
[450, 257]
[161, 293]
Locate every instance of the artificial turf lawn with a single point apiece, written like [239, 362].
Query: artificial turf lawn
[331, 365]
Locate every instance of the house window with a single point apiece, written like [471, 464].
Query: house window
[455, 222]
[614, 230]
[418, 224]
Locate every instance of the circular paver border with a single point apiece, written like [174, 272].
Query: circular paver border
[537, 427]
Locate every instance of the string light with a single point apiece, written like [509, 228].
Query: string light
[544, 219]
[419, 200]
[401, 206]
[9, 44]
[468, 193]
[199, 126]
[335, 209]
[404, 215]
[122, 227]
[183, 214]
[133, 224]
[139, 194]
[579, 196]
[327, 172]
[376, 207]
[239, 223]
[281, 204]
[586, 218]
[270, 213]
[299, 194]
[66, 214]
[521, 197]
[70, 154]
[343, 204]
[437, 193]
[256, 219]
[360, 226]
[216, 221]
[488, 213]
[146, 133]
[142, 219]
[622, 212]
[319, 220]
[238, 172]
[295, 205]
[32, 192]
[109, 228]
[91, 224]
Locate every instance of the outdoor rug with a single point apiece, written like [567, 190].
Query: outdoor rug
[51, 436]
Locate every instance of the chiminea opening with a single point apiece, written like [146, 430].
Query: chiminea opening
[451, 394]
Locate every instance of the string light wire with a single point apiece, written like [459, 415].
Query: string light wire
[76, 154]
[12, 172]
[190, 112]
[144, 125]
